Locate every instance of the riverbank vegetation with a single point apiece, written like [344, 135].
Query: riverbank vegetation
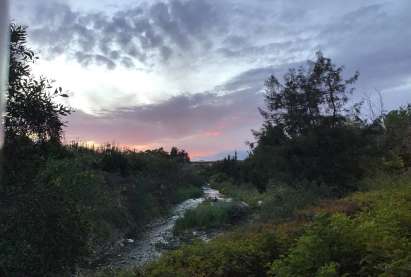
[211, 214]
[366, 233]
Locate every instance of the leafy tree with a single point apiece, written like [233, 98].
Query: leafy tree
[179, 155]
[398, 136]
[31, 107]
[308, 133]
[33, 131]
[308, 98]
[33, 122]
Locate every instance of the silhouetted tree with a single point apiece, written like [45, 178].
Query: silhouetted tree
[31, 109]
[308, 134]
[398, 137]
[179, 155]
[308, 98]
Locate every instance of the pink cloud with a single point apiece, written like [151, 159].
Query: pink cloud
[203, 124]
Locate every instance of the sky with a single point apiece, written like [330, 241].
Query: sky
[190, 73]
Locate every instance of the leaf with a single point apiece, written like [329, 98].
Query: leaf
[64, 95]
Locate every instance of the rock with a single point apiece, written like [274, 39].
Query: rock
[130, 240]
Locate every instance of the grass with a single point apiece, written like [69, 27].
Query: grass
[277, 203]
[187, 192]
[210, 215]
[245, 192]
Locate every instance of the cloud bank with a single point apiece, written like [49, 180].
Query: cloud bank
[209, 60]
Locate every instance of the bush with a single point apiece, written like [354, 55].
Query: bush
[187, 192]
[373, 242]
[243, 253]
[46, 233]
[75, 202]
[211, 215]
[277, 202]
[330, 240]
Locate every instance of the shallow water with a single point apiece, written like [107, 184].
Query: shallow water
[159, 234]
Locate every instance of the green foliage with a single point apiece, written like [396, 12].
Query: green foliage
[308, 98]
[327, 241]
[398, 138]
[31, 109]
[282, 201]
[180, 156]
[277, 202]
[242, 192]
[46, 236]
[188, 192]
[78, 201]
[375, 242]
[229, 166]
[211, 215]
[309, 135]
[245, 253]
[371, 240]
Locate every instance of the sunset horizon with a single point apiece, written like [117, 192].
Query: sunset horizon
[191, 73]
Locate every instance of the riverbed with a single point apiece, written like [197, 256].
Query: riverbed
[158, 235]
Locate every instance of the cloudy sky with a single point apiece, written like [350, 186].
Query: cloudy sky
[189, 73]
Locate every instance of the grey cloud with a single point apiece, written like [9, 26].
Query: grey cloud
[102, 60]
[127, 62]
[157, 31]
[175, 118]
[373, 40]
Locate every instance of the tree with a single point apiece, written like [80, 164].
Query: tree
[32, 111]
[180, 156]
[308, 98]
[398, 136]
[33, 119]
[308, 134]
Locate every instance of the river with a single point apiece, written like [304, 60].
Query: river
[158, 236]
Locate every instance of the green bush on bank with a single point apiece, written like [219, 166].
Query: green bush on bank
[78, 203]
[211, 215]
[187, 192]
[278, 202]
[374, 242]
[230, 255]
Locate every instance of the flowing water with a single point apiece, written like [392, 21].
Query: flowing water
[158, 236]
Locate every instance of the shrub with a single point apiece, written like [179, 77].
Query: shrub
[211, 215]
[245, 253]
[374, 241]
[330, 240]
[186, 192]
